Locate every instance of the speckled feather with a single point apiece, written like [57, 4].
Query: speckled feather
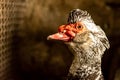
[87, 48]
[87, 42]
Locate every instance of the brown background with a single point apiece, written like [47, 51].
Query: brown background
[50, 60]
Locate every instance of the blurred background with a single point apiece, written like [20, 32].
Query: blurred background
[39, 59]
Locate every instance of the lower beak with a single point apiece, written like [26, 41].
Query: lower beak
[58, 36]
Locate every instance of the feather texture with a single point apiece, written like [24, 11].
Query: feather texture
[87, 42]
[87, 48]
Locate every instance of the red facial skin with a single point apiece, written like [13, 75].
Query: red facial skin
[67, 32]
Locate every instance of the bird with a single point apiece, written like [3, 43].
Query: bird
[87, 42]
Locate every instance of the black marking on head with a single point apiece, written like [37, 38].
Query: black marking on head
[78, 15]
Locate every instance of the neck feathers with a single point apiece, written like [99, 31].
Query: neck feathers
[86, 73]
[90, 77]
[87, 59]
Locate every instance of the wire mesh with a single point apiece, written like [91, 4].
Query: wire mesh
[11, 15]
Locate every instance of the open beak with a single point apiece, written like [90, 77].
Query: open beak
[58, 36]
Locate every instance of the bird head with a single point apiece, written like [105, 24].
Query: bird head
[68, 32]
[74, 26]
[77, 29]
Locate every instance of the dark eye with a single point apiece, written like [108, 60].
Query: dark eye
[79, 27]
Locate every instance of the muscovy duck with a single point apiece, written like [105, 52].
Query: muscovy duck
[87, 41]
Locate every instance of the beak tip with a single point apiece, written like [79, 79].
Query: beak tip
[48, 38]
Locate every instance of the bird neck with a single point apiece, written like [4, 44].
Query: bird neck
[86, 64]
[85, 71]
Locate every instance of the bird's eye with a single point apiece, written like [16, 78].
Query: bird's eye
[79, 27]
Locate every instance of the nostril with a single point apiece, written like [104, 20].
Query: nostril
[64, 31]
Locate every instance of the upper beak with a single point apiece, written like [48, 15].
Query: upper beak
[58, 36]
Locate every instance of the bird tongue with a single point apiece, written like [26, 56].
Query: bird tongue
[59, 36]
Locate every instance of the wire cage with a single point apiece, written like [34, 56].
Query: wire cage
[11, 16]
